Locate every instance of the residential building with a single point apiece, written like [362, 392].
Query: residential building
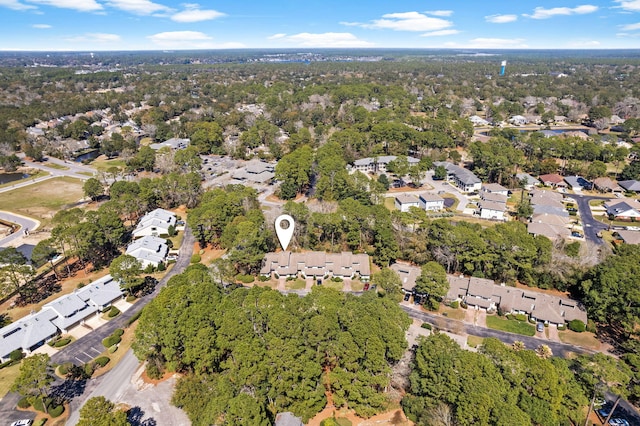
[149, 250]
[480, 293]
[464, 179]
[173, 143]
[492, 210]
[552, 179]
[58, 316]
[431, 202]
[404, 202]
[629, 237]
[156, 222]
[553, 232]
[256, 171]
[623, 210]
[605, 184]
[578, 183]
[378, 164]
[495, 188]
[529, 181]
[518, 120]
[478, 121]
[630, 185]
[317, 264]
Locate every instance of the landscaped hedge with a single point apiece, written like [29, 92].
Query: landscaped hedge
[426, 325]
[455, 304]
[64, 368]
[134, 318]
[111, 340]
[24, 403]
[247, 279]
[196, 258]
[62, 342]
[118, 332]
[113, 312]
[520, 317]
[56, 411]
[102, 361]
[577, 326]
[16, 355]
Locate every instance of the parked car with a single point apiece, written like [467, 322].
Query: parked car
[23, 422]
[618, 422]
[576, 234]
[407, 296]
[633, 228]
[540, 327]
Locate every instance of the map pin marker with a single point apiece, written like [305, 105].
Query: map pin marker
[284, 230]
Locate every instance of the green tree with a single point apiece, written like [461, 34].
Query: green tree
[432, 281]
[99, 411]
[44, 252]
[93, 189]
[389, 283]
[294, 171]
[34, 378]
[15, 271]
[128, 270]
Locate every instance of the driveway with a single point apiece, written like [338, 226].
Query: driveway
[440, 185]
[24, 222]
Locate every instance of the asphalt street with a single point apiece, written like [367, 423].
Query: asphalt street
[590, 225]
[23, 221]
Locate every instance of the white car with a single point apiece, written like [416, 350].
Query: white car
[23, 422]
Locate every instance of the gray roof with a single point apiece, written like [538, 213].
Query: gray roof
[66, 305]
[345, 264]
[407, 199]
[408, 275]
[529, 179]
[547, 230]
[494, 197]
[493, 187]
[463, 175]
[383, 159]
[542, 209]
[149, 248]
[173, 143]
[492, 205]
[26, 332]
[629, 237]
[577, 181]
[288, 419]
[430, 196]
[101, 292]
[622, 207]
[630, 185]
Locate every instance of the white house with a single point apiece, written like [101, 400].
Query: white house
[478, 121]
[378, 164]
[492, 210]
[431, 202]
[173, 143]
[155, 223]
[518, 120]
[149, 250]
[495, 188]
[464, 179]
[624, 210]
[405, 201]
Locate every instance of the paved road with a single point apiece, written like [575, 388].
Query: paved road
[23, 221]
[590, 225]
[458, 327]
[89, 346]
[72, 169]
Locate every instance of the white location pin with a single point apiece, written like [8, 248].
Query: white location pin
[284, 230]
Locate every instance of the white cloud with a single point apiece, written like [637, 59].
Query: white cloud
[631, 27]
[138, 7]
[440, 33]
[327, 40]
[189, 40]
[95, 38]
[193, 13]
[440, 12]
[41, 26]
[405, 21]
[276, 36]
[81, 6]
[584, 44]
[501, 19]
[542, 13]
[15, 5]
[630, 5]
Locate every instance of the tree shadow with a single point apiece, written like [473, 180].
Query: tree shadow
[69, 389]
[135, 417]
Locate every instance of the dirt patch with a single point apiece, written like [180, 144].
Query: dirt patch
[394, 417]
[208, 254]
[153, 382]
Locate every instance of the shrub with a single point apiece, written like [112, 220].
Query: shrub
[16, 355]
[114, 311]
[336, 279]
[89, 369]
[62, 342]
[118, 332]
[463, 305]
[520, 317]
[24, 403]
[113, 348]
[130, 298]
[64, 368]
[196, 258]
[134, 318]
[591, 326]
[247, 279]
[577, 326]
[509, 316]
[562, 327]
[426, 325]
[102, 361]
[111, 340]
[38, 404]
[153, 371]
[263, 278]
[40, 422]
[56, 411]
[276, 276]
[455, 304]
[161, 267]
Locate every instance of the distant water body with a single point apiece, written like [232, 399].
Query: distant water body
[12, 177]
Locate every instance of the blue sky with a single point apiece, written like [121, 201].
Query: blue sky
[94, 25]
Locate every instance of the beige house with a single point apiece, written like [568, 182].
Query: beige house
[317, 264]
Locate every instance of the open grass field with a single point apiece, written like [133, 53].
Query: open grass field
[7, 377]
[474, 341]
[587, 340]
[512, 326]
[297, 284]
[103, 164]
[457, 314]
[43, 199]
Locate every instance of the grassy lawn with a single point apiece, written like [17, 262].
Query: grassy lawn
[512, 326]
[56, 166]
[457, 314]
[43, 199]
[586, 340]
[333, 284]
[474, 341]
[605, 219]
[297, 284]
[103, 164]
[357, 285]
[515, 197]
[177, 239]
[7, 376]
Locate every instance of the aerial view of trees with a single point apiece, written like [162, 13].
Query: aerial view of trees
[254, 352]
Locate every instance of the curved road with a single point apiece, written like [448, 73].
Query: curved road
[23, 221]
[590, 225]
